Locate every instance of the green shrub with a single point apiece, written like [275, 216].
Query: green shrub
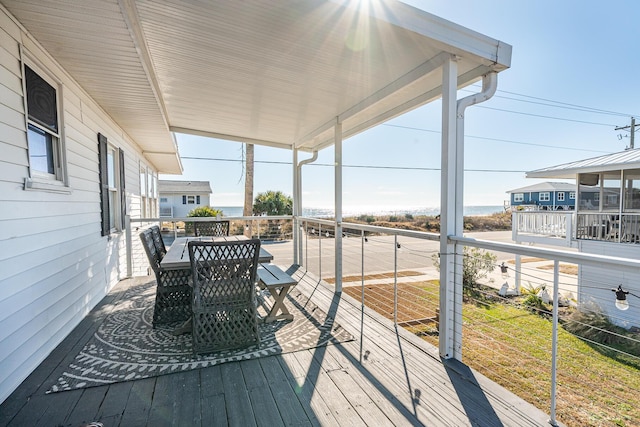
[532, 299]
[476, 264]
[204, 211]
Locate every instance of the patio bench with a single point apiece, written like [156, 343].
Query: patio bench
[278, 283]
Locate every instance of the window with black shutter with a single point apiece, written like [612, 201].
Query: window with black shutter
[104, 184]
[112, 186]
[46, 153]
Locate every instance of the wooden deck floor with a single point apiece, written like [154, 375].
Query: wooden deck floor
[388, 378]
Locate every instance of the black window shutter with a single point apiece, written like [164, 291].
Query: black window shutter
[123, 193]
[197, 200]
[104, 183]
[184, 200]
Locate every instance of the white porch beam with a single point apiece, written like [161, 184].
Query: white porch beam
[338, 204]
[297, 209]
[449, 163]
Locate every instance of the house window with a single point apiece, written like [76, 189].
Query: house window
[632, 190]
[191, 200]
[561, 196]
[163, 200]
[46, 152]
[518, 197]
[112, 186]
[143, 192]
[545, 197]
[148, 193]
[113, 189]
[572, 195]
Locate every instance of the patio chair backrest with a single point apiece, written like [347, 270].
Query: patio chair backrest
[150, 248]
[211, 228]
[158, 241]
[224, 269]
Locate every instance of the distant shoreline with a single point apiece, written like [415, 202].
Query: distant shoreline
[231, 211]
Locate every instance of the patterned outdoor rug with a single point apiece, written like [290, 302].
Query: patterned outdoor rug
[126, 347]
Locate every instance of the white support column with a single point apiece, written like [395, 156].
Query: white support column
[338, 204]
[296, 208]
[449, 164]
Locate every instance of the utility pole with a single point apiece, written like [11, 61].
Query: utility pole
[632, 129]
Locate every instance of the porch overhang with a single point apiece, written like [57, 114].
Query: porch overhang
[277, 73]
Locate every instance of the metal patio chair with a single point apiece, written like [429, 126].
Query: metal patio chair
[224, 296]
[173, 291]
[211, 228]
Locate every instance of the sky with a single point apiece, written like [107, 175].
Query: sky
[574, 78]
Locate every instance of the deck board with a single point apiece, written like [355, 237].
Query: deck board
[391, 377]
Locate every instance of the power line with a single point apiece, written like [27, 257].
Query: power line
[545, 117]
[349, 166]
[566, 105]
[500, 140]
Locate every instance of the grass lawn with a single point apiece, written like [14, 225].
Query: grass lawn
[512, 346]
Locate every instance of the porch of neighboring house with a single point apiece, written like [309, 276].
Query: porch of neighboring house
[385, 376]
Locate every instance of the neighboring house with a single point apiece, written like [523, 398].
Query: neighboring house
[606, 222]
[178, 198]
[544, 196]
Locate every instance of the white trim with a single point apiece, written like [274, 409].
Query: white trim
[50, 186]
[58, 144]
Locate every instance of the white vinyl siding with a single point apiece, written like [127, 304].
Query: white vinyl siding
[55, 264]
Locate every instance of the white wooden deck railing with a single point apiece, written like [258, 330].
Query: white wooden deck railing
[564, 228]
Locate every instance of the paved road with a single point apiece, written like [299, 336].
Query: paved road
[379, 253]
[382, 255]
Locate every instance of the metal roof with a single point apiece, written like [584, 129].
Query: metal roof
[184, 187]
[277, 72]
[629, 159]
[545, 186]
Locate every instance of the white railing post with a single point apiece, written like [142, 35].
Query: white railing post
[395, 280]
[554, 344]
[362, 293]
[320, 251]
[129, 245]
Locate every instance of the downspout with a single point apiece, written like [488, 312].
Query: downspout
[297, 196]
[489, 86]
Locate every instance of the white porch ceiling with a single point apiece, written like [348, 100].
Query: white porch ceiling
[277, 73]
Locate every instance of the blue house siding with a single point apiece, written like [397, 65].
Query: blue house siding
[548, 200]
